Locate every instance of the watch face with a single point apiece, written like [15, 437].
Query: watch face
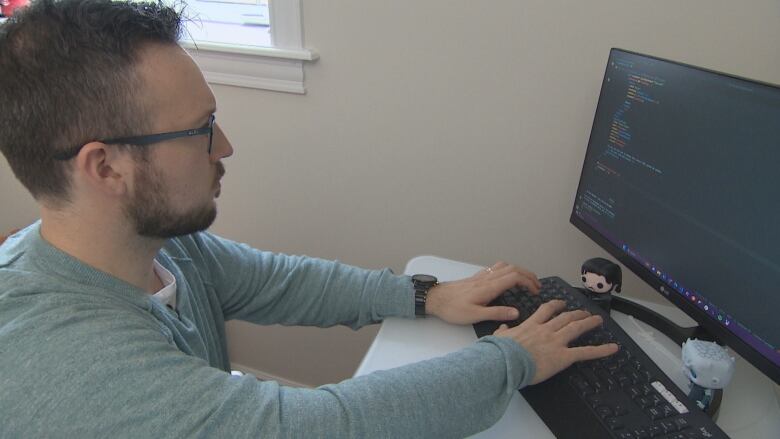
[424, 279]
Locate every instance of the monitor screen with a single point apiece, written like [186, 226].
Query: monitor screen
[681, 183]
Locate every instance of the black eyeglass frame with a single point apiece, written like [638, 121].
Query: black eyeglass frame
[147, 139]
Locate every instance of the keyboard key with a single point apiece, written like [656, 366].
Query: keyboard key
[643, 402]
[681, 423]
[641, 433]
[581, 385]
[654, 413]
[606, 379]
[634, 392]
[654, 431]
[615, 423]
[604, 411]
[623, 380]
[595, 400]
[668, 427]
[667, 410]
[619, 410]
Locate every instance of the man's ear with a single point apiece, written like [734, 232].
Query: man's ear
[104, 168]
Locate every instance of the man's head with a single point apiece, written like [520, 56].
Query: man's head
[175, 182]
[77, 72]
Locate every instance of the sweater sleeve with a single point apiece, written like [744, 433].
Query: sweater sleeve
[109, 372]
[268, 288]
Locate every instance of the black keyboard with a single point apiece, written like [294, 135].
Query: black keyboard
[623, 396]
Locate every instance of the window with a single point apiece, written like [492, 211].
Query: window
[243, 22]
[249, 43]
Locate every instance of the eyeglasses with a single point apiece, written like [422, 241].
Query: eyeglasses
[146, 140]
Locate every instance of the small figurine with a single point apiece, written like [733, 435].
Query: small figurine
[708, 366]
[600, 277]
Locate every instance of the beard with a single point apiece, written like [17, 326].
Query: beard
[150, 210]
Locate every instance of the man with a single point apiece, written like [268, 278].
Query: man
[110, 125]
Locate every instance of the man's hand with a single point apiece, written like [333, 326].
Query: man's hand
[546, 336]
[464, 301]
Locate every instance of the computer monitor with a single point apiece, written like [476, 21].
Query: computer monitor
[681, 183]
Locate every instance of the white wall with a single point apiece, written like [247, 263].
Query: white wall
[446, 127]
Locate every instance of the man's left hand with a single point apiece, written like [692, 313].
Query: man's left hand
[465, 301]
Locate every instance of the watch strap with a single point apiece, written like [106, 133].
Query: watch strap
[422, 283]
[420, 299]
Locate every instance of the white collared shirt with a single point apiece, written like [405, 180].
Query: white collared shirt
[167, 294]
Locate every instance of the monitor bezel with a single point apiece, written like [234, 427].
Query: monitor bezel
[721, 333]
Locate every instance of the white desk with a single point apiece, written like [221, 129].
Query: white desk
[750, 407]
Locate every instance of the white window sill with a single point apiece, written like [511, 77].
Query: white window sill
[267, 68]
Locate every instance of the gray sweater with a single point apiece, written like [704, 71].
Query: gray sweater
[84, 354]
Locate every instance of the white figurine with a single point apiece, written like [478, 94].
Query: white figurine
[708, 366]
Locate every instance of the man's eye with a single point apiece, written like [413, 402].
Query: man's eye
[600, 285]
[583, 279]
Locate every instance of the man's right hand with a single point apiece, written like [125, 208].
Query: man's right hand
[546, 335]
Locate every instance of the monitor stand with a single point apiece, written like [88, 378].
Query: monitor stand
[675, 332]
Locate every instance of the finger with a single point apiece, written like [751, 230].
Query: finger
[501, 328]
[499, 265]
[585, 353]
[579, 327]
[488, 271]
[565, 318]
[500, 313]
[513, 279]
[506, 269]
[547, 311]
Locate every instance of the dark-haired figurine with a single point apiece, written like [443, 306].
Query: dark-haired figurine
[599, 278]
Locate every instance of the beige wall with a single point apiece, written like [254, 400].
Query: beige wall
[454, 128]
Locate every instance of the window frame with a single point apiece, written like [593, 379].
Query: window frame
[277, 68]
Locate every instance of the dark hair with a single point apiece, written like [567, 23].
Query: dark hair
[67, 69]
[604, 267]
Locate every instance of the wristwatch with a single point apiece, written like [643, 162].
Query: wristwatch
[422, 283]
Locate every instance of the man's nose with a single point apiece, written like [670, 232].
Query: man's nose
[220, 147]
